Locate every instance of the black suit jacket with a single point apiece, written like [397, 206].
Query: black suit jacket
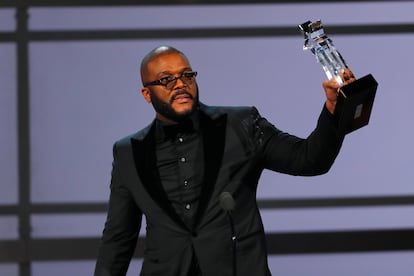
[238, 145]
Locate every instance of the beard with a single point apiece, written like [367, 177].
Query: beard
[166, 109]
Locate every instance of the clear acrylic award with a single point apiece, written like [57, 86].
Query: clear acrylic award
[355, 100]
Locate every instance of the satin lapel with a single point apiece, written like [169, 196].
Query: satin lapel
[145, 163]
[213, 131]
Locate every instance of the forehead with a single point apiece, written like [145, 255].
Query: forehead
[168, 62]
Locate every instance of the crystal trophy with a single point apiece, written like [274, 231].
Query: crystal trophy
[355, 100]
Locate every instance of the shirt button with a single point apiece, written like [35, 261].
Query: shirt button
[182, 159]
[180, 139]
[188, 206]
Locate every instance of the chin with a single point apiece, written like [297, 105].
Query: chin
[176, 112]
[183, 109]
[184, 114]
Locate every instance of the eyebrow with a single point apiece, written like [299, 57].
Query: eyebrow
[169, 73]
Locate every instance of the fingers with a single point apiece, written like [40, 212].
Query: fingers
[331, 88]
[331, 84]
[347, 76]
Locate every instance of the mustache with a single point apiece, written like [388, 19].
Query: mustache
[179, 93]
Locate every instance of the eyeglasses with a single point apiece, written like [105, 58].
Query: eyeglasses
[169, 81]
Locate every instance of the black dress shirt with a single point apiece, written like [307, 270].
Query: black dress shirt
[179, 154]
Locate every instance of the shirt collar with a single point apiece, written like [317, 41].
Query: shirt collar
[164, 130]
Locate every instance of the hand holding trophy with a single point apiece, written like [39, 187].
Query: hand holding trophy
[355, 100]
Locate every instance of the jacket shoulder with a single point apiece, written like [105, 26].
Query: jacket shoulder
[139, 135]
[230, 111]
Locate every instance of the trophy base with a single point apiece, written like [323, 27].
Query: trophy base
[354, 105]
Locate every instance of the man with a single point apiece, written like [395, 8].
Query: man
[176, 170]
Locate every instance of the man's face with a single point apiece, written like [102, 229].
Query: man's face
[175, 103]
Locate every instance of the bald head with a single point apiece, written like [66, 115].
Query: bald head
[155, 53]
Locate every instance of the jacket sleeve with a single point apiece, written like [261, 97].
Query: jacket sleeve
[121, 230]
[290, 154]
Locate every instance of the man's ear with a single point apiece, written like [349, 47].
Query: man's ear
[146, 94]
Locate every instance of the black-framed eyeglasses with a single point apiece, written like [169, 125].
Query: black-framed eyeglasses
[169, 81]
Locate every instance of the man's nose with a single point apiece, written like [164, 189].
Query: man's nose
[179, 83]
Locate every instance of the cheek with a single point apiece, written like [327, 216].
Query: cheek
[194, 92]
[159, 97]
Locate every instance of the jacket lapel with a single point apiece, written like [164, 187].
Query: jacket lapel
[213, 131]
[145, 163]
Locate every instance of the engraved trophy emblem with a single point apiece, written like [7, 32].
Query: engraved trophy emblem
[355, 100]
